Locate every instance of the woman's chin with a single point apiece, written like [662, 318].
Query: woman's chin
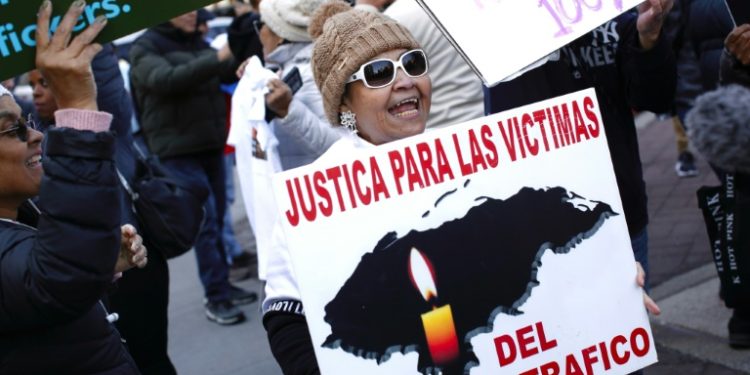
[409, 119]
[410, 128]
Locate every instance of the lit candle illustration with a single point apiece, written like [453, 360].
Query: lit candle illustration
[439, 328]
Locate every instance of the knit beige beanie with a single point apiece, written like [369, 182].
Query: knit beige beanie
[289, 18]
[346, 38]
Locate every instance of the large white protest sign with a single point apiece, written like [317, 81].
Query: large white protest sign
[500, 37]
[498, 245]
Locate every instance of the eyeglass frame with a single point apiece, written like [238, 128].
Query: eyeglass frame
[21, 124]
[359, 75]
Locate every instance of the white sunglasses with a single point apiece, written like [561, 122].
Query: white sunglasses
[382, 72]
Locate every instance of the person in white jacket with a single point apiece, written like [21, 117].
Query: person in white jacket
[297, 131]
[300, 127]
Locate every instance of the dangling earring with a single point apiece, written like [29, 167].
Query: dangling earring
[349, 120]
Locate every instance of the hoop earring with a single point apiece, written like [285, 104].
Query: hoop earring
[348, 120]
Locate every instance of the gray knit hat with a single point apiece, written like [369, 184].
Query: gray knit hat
[346, 38]
[718, 127]
[289, 18]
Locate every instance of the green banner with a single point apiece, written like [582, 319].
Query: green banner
[18, 24]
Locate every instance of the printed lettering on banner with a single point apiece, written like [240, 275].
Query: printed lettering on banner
[501, 37]
[494, 246]
[18, 24]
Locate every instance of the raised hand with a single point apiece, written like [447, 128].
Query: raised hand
[64, 61]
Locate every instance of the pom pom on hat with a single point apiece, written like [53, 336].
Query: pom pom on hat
[322, 15]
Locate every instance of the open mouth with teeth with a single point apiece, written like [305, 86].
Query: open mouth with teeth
[405, 109]
[34, 161]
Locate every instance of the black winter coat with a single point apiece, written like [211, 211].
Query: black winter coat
[111, 97]
[175, 80]
[51, 279]
[709, 24]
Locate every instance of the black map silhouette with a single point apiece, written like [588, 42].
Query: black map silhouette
[484, 263]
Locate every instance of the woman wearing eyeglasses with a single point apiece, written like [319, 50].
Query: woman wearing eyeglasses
[53, 272]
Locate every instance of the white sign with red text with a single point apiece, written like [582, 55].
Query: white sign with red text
[494, 246]
[500, 37]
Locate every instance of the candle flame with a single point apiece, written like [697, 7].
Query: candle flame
[422, 274]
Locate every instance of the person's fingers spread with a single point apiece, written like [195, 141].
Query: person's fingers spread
[90, 51]
[87, 36]
[42, 24]
[657, 7]
[62, 35]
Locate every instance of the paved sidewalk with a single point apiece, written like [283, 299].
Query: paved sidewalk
[690, 335]
[200, 347]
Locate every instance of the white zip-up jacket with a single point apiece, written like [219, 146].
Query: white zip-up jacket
[304, 134]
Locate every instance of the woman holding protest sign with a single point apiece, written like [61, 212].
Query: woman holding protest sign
[377, 102]
[372, 75]
[55, 270]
